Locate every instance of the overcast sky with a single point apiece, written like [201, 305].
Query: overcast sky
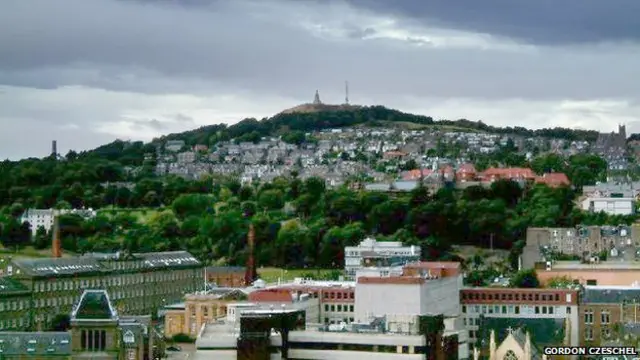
[86, 72]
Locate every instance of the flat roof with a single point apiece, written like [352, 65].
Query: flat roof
[576, 265]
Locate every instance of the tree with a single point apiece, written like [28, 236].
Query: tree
[525, 279]
[60, 322]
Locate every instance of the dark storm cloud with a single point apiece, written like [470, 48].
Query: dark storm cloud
[553, 22]
[213, 46]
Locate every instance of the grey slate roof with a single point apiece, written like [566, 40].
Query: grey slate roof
[94, 305]
[100, 262]
[168, 259]
[35, 343]
[58, 266]
[610, 294]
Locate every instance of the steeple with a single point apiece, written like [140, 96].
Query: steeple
[316, 99]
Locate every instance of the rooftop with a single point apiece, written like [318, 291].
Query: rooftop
[102, 262]
[30, 344]
[94, 305]
[604, 265]
[610, 294]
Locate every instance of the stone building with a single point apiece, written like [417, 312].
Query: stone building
[138, 284]
[188, 317]
[226, 276]
[609, 314]
[97, 332]
[14, 304]
[581, 242]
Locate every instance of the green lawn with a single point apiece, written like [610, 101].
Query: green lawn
[271, 275]
[141, 214]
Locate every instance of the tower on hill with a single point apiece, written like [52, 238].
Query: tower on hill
[316, 99]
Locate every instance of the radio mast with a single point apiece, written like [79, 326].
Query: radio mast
[346, 92]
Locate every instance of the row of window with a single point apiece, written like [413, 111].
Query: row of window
[331, 321]
[512, 296]
[605, 333]
[605, 317]
[338, 295]
[511, 309]
[358, 347]
[338, 308]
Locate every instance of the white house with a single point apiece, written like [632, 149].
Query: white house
[611, 206]
[44, 217]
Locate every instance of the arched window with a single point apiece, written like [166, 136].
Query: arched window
[128, 337]
[510, 355]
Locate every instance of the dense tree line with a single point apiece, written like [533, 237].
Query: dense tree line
[301, 223]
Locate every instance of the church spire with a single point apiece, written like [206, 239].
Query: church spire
[316, 99]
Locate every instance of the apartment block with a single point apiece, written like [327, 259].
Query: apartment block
[510, 303]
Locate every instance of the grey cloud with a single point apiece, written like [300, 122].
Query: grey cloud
[540, 21]
[259, 48]
[160, 49]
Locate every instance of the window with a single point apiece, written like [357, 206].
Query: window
[592, 282]
[510, 355]
[605, 317]
[588, 333]
[517, 309]
[504, 309]
[333, 308]
[464, 309]
[339, 307]
[326, 307]
[568, 309]
[351, 308]
[537, 311]
[588, 316]
[550, 309]
[606, 332]
[128, 337]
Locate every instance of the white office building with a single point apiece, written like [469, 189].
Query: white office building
[371, 252]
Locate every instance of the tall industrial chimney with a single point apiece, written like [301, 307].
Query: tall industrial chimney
[54, 148]
[56, 246]
[250, 274]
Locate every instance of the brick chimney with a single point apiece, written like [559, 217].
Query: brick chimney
[250, 274]
[56, 246]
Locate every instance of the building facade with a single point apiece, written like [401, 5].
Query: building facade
[617, 273]
[555, 304]
[607, 312]
[139, 283]
[226, 276]
[45, 217]
[610, 205]
[97, 332]
[197, 309]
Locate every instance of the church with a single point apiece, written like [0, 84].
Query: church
[503, 339]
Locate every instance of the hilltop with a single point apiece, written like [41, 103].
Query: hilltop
[315, 117]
